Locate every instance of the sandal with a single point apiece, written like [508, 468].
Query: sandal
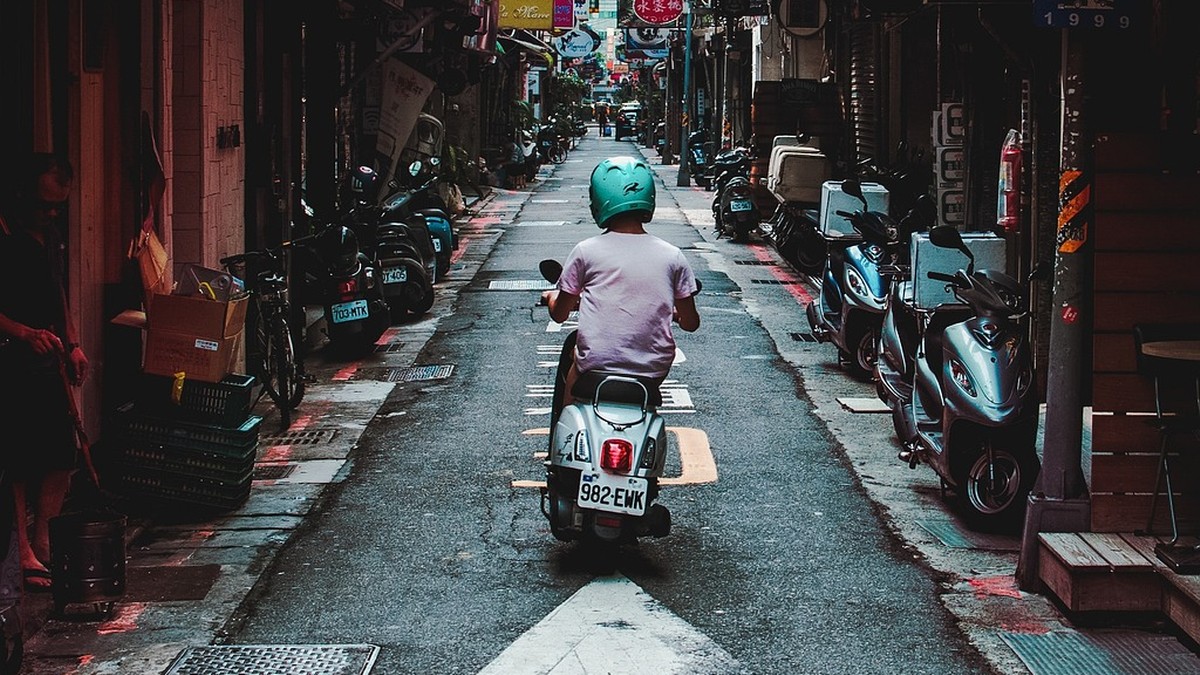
[34, 579]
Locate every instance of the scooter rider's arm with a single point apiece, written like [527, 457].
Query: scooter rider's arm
[560, 303]
[686, 315]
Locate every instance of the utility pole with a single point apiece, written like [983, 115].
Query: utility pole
[1059, 501]
[684, 179]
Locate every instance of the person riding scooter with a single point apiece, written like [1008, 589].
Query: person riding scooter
[628, 285]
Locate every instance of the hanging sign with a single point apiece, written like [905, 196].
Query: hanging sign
[643, 13]
[564, 13]
[528, 14]
[647, 44]
[577, 44]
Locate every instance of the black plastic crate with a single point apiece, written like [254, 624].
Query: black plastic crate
[169, 489]
[148, 431]
[225, 403]
[204, 465]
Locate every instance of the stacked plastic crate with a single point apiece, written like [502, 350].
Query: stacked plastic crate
[188, 443]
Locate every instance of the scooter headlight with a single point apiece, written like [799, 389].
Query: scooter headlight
[959, 372]
[583, 452]
[856, 283]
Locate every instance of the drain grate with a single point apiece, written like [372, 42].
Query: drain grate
[273, 471]
[774, 282]
[1068, 652]
[804, 337]
[765, 263]
[520, 285]
[300, 437]
[275, 660]
[389, 348]
[419, 373]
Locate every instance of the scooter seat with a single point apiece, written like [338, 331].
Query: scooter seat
[617, 392]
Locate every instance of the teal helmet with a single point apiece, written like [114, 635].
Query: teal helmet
[619, 185]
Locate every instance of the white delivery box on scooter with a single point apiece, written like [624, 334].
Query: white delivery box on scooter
[833, 200]
[989, 252]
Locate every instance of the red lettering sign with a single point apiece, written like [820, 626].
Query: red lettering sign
[658, 11]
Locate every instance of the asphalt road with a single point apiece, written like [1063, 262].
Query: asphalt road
[428, 550]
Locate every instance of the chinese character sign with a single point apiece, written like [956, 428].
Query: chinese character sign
[648, 13]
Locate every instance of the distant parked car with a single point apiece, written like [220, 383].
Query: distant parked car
[627, 120]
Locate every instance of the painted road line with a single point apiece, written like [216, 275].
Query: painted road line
[537, 411]
[698, 466]
[539, 390]
[611, 625]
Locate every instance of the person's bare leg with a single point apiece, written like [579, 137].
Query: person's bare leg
[50, 503]
[34, 570]
[571, 379]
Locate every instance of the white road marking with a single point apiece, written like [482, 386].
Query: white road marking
[612, 626]
[537, 411]
[539, 390]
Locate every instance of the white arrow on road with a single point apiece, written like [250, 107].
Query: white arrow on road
[612, 626]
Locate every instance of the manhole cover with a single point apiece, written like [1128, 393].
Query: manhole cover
[389, 347]
[804, 337]
[300, 437]
[773, 282]
[273, 471]
[275, 660]
[520, 285]
[767, 263]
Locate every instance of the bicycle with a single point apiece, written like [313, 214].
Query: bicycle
[273, 360]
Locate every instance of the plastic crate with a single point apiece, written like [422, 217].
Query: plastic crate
[203, 465]
[168, 489]
[225, 403]
[149, 431]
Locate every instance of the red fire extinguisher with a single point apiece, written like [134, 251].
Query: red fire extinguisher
[1008, 193]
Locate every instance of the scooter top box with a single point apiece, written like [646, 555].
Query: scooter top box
[989, 252]
[834, 200]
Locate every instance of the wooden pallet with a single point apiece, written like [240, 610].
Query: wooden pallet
[1091, 571]
[1094, 571]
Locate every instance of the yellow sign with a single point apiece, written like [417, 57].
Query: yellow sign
[530, 14]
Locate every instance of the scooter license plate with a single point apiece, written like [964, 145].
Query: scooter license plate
[344, 312]
[395, 275]
[741, 205]
[617, 494]
[437, 245]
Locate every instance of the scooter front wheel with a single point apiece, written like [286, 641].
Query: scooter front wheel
[993, 485]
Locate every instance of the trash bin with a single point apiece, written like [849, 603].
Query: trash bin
[87, 559]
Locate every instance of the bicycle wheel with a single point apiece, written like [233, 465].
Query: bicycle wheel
[281, 376]
[557, 154]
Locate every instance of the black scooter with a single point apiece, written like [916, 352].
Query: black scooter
[698, 158]
[735, 213]
[345, 283]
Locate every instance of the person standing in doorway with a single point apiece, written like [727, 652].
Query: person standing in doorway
[41, 344]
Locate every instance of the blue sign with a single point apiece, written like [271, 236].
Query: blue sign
[1118, 14]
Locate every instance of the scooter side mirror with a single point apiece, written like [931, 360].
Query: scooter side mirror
[551, 270]
[947, 236]
[852, 187]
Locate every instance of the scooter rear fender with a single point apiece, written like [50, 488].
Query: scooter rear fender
[580, 418]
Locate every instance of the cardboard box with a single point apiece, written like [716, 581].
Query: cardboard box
[989, 252]
[834, 200]
[198, 316]
[200, 358]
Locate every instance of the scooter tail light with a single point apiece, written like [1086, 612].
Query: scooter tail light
[648, 454]
[616, 454]
[348, 288]
[583, 451]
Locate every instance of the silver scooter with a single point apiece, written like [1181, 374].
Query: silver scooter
[607, 453]
[973, 411]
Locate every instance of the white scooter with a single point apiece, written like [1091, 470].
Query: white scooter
[607, 452]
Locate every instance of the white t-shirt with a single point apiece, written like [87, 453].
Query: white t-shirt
[627, 285]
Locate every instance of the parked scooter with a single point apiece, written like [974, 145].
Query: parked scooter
[346, 283]
[425, 202]
[735, 213]
[607, 453]
[699, 158]
[848, 311]
[974, 411]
